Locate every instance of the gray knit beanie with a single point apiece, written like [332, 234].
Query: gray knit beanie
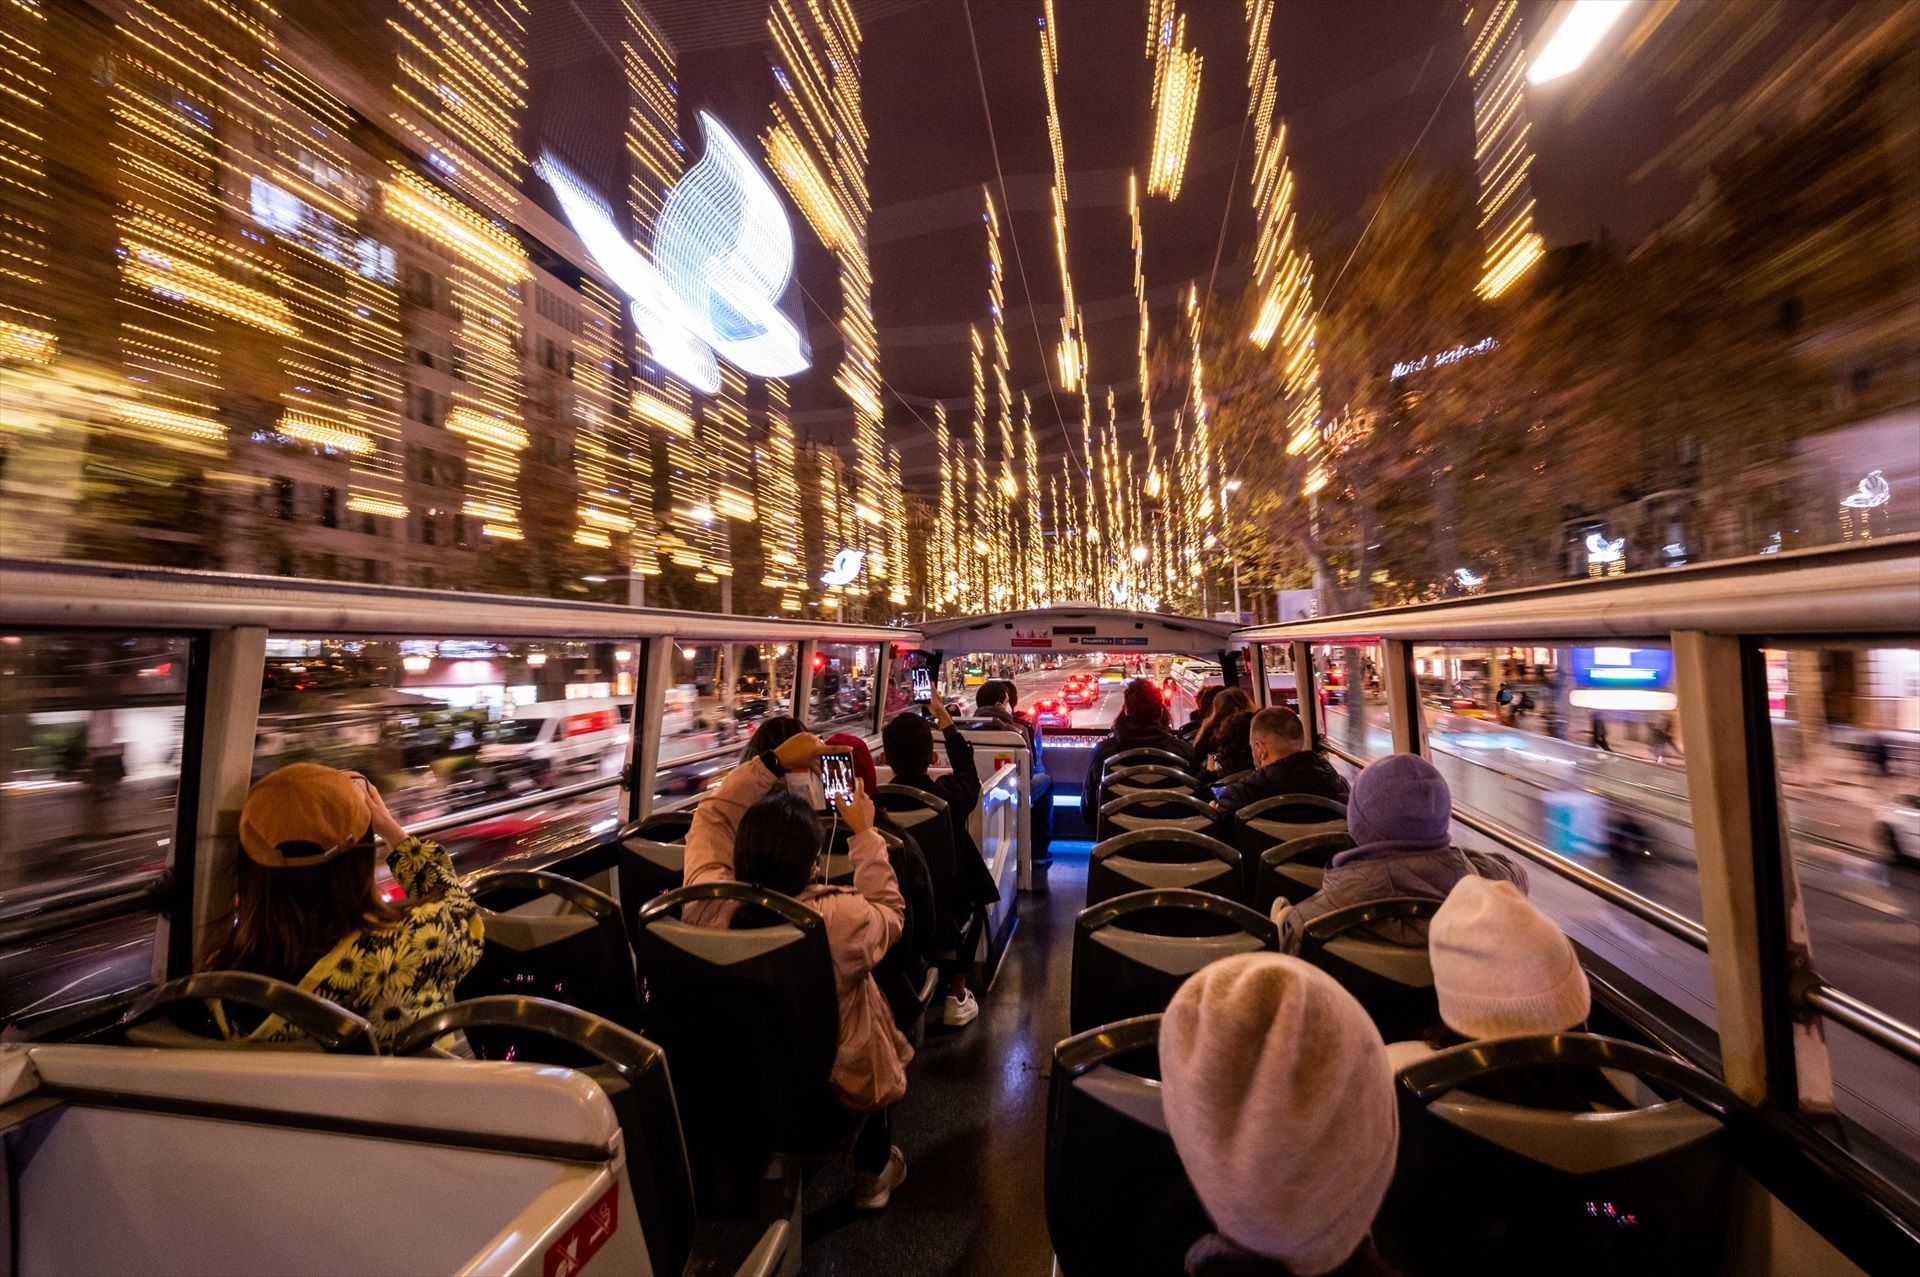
[1279, 1098]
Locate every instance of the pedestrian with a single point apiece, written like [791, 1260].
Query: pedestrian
[1597, 735]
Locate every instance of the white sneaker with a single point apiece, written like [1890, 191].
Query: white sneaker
[959, 1012]
[873, 1192]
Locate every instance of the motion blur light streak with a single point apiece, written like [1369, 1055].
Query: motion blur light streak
[1578, 34]
[1503, 147]
[1176, 96]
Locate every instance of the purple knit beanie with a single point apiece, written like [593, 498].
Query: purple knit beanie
[1400, 801]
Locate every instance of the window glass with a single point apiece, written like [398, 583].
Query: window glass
[91, 732]
[717, 695]
[1846, 735]
[1282, 682]
[1353, 710]
[843, 683]
[443, 726]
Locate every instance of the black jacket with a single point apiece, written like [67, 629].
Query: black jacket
[903, 967]
[968, 884]
[1126, 735]
[1304, 772]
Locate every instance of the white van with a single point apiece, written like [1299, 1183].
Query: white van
[562, 735]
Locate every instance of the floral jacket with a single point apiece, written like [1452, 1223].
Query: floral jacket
[395, 974]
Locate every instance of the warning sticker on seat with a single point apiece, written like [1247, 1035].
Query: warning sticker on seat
[584, 1237]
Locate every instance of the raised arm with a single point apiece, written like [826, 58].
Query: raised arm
[885, 912]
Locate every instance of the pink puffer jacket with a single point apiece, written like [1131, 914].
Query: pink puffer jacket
[862, 921]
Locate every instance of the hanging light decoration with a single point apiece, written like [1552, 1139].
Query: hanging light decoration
[1502, 144]
[1176, 95]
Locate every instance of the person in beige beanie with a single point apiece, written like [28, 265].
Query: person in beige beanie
[1279, 1098]
[1501, 967]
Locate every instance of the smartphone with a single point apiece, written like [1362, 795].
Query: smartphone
[836, 776]
[922, 687]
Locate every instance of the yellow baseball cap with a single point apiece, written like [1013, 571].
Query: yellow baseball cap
[304, 814]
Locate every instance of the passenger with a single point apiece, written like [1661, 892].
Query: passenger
[1234, 739]
[1280, 1100]
[1502, 968]
[1141, 724]
[772, 732]
[778, 847]
[782, 754]
[1202, 702]
[1230, 701]
[1400, 816]
[309, 911]
[969, 886]
[903, 971]
[1283, 764]
[996, 700]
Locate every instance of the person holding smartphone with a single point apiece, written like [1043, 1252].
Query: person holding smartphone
[756, 829]
[309, 910]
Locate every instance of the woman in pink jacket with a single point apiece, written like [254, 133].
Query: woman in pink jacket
[755, 829]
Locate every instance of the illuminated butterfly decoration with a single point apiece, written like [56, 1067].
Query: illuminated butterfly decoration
[1468, 579]
[1601, 550]
[722, 257]
[846, 566]
[1874, 491]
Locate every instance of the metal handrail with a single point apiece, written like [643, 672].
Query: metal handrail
[1869, 1022]
[1652, 912]
[508, 806]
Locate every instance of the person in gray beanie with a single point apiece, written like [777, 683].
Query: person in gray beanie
[1400, 817]
[1279, 1098]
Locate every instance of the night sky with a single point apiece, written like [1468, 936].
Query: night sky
[1359, 79]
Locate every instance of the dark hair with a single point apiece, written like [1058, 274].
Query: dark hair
[995, 691]
[778, 843]
[1203, 700]
[908, 740]
[772, 734]
[1227, 702]
[1233, 742]
[1142, 702]
[286, 919]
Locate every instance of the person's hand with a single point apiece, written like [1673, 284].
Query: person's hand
[800, 751]
[941, 718]
[856, 808]
[385, 827]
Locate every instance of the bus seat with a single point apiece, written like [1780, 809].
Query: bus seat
[1145, 754]
[1147, 778]
[1295, 869]
[1232, 778]
[750, 1016]
[1118, 1200]
[181, 1013]
[1500, 1187]
[839, 859]
[186, 1162]
[1160, 810]
[1284, 817]
[927, 818]
[1394, 982]
[634, 1075]
[548, 936]
[650, 857]
[1161, 857]
[1131, 952]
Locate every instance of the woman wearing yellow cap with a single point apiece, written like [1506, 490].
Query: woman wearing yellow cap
[309, 912]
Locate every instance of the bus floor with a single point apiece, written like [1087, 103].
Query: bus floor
[972, 1126]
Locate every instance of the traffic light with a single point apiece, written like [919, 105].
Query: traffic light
[819, 662]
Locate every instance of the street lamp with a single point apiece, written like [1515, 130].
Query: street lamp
[1226, 525]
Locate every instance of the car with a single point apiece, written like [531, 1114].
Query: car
[1897, 828]
[1080, 692]
[1053, 712]
[1113, 674]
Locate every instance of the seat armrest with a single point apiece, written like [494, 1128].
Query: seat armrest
[747, 1248]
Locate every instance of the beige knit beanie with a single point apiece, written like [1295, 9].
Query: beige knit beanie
[1278, 1095]
[1501, 967]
